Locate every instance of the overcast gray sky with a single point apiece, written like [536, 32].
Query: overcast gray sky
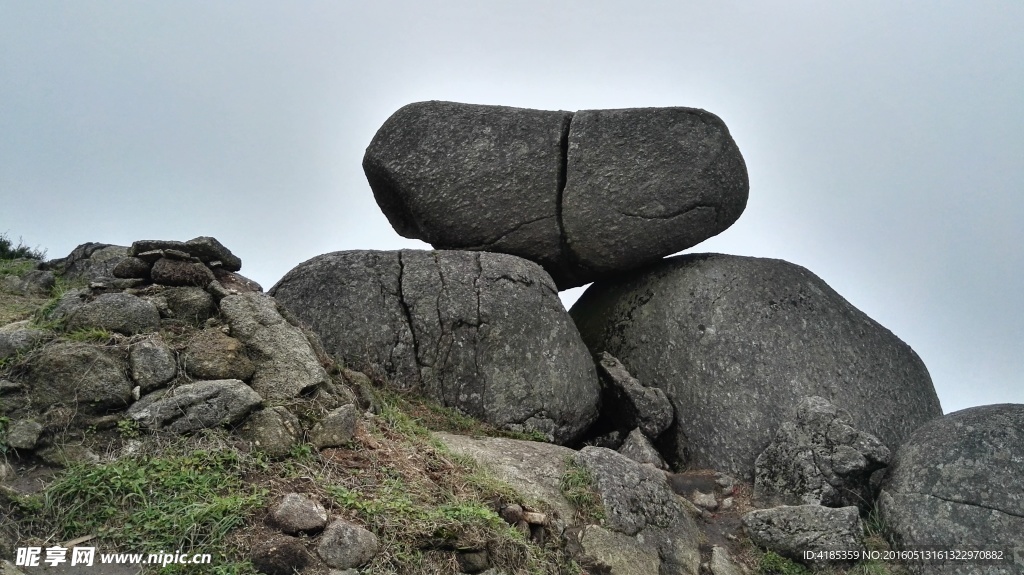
[884, 141]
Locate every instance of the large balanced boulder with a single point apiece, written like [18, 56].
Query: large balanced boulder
[736, 341]
[958, 483]
[585, 195]
[481, 332]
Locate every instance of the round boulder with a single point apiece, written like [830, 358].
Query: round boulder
[736, 341]
[585, 195]
[958, 483]
[481, 332]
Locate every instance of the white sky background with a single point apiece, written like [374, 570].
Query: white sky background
[884, 143]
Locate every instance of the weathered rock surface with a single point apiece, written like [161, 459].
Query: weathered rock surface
[19, 337]
[90, 261]
[205, 249]
[196, 406]
[274, 430]
[118, 312]
[212, 354]
[190, 304]
[638, 448]
[819, 457]
[584, 194]
[152, 364]
[533, 468]
[286, 365]
[31, 283]
[642, 183]
[175, 272]
[336, 429]
[297, 513]
[431, 163]
[89, 378]
[23, 434]
[734, 341]
[790, 531]
[627, 403]
[344, 545]
[640, 505]
[481, 332]
[958, 483]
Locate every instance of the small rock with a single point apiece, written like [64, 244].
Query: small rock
[631, 403]
[191, 304]
[345, 545]
[24, 434]
[119, 312]
[68, 455]
[790, 531]
[212, 354]
[196, 406]
[234, 282]
[171, 272]
[274, 431]
[211, 251]
[336, 429]
[473, 561]
[705, 500]
[726, 504]
[722, 563]
[18, 337]
[132, 268]
[297, 513]
[152, 364]
[638, 448]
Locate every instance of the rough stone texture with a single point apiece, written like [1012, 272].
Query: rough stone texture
[583, 195]
[705, 500]
[336, 429]
[90, 261]
[119, 312]
[68, 455]
[23, 434]
[212, 354]
[191, 304]
[643, 183]
[152, 364]
[235, 283]
[722, 563]
[18, 337]
[734, 341]
[196, 406]
[958, 483]
[638, 448]
[212, 252]
[628, 403]
[174, 272]
[281, 555]
[132, 268]
[286, 365]
[90, 378]
[431, 163]
[640, 504]
[344, 545]
[534, 469]
[820, 458]
[31, 283]
[789, 531]
[474, 561]
[274, 430]
[68, 303]
[481, 332]
[297, 513]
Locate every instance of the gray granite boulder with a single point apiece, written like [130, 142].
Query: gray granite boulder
[644, 518]
[195, 406]
[118, 312]
[213, 354]
[638, 448]
[19, 337]
[189, 304]
[735, 341]
[286, 365]
[336, 429]
[643, 183]
[89, 261]
[958, 483]
[481, 332]
[35, 282]
[204, 249]
[819, 457]
[152, 363]
[297, 513]
[584, 195]
[176, 272]
[627, 403]
[86, 377]
[274, 431]
[344, 545]
[790, 531]
[431, 163]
